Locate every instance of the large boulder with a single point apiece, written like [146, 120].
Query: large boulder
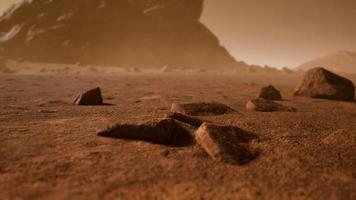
[127, 33]
[321, 83]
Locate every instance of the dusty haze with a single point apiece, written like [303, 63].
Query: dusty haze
[137, 99]
[279, 32]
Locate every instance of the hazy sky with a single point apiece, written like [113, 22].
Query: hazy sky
[282, 32]
[279, 32]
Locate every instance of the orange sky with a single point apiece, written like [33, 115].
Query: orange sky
[279, 32]
[282, 32]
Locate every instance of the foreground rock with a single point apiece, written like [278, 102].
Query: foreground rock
[264, 105]
[164, 131]
[193, 121]
[224, 143]
[321, 83]
[202, 109]
[91, 97]
[270, 93]
[113, 32]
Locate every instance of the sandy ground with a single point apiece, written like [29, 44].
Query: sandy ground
[49, 148]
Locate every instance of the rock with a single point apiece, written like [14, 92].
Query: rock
[127, 33]
[321, 83]
[224, 143]
[91, 97]
[47, 111]
[164, 131]
[264, 105]
[195, 122]
[202, 109]
[271, 93]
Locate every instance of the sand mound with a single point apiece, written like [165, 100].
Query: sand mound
[342, 61]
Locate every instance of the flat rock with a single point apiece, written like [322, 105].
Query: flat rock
[271, 93]
[164, 131]
[224, 143]
[264, 105]
[202, 109]
[90, 97]
[321, 83]
[193, 121]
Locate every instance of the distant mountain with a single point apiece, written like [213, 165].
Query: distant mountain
[341, 61]
[127, 33]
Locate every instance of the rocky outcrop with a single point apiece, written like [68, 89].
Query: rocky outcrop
[127, 33]
[321, 83]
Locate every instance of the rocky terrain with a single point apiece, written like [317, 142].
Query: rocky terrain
[50, 147]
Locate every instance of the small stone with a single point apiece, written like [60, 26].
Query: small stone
[91, 97]
[224, 143]
[264, 105]
[164, 131]
[47, 111]
[271, 93]
[321, 83]
[202, 109]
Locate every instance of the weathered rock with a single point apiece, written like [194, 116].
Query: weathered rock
[193, 121]
[127, 33]
[271, 93]
[164, 131]
[264, 105]
[202, 109]
[91, 97]
[224, 143]
[321, 83]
